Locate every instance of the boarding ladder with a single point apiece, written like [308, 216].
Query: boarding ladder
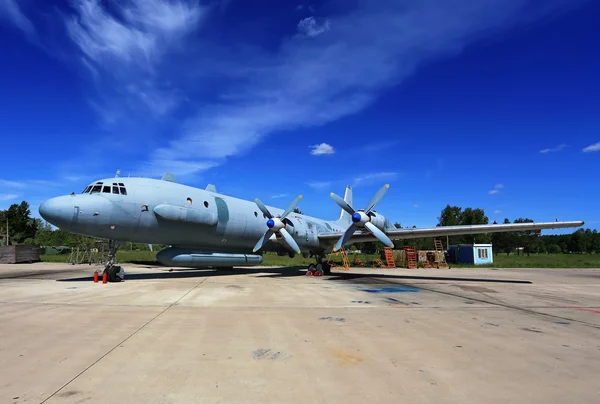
[389, 257]
[345, 262]
[411, 257]
[440, 257]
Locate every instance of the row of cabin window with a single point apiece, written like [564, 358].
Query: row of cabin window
[106, 189]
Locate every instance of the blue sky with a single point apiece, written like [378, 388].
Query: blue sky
[485, 104]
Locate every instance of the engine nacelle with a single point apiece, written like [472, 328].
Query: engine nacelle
[188, 258]
[378, 220]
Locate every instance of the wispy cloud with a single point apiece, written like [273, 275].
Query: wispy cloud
[375, 177]
[497, 212]
[311, 26]
[11, 11]
[151, 62]
[11, 184]
[554, 149]
[496, 189]
[416, 206]
[8, 197]
[592, 148]
[321, 149]
[319, 184]
[279, 196]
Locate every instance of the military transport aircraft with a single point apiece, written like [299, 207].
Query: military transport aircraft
[207, 229]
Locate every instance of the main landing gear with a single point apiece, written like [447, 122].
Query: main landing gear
[114, 273]
[320, 268]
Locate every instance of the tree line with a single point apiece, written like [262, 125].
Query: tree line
[23, 229]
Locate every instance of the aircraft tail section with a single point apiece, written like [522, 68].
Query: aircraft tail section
[345, 217]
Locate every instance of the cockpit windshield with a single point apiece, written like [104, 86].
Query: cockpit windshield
[99, 187]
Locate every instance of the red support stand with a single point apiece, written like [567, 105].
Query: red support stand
[96, 277]
[104, 277]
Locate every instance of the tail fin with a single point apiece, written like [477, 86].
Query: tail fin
[345, 217]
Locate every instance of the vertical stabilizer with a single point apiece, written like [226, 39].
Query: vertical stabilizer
[345, 217]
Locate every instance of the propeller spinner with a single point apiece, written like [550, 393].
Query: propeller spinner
[361, 219]
[277, 225]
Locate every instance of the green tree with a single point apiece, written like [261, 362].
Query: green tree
[21, 226]
[554, 249]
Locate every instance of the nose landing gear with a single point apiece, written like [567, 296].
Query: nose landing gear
[114, 273]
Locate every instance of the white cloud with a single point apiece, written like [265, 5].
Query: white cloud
[8, 197]
[321, 149]
[554, 149]
[11, 184]
[221, 98]
[11, 11]
[311, 26]
[319, 184]
[497, 212]
[496, 189]
[375, 177]
[279, 196]
[592, 148]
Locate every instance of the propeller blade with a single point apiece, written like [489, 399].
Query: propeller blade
[377, 198]
[263, 208]
[290, 240]
[263, 240]
[291, 207]
[342, 203]
[342, 240]
[379, 234]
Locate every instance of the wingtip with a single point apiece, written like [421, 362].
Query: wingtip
[387, 185]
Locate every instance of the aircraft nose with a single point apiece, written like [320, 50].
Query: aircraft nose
[58, 211]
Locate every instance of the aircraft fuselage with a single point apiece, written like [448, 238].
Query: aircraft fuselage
[163, 212]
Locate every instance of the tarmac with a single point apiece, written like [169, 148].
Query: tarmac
[272, 335]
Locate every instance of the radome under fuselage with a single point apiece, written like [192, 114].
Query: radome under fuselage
[132, 217]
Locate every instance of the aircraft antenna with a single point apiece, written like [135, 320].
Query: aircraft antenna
[118, 173]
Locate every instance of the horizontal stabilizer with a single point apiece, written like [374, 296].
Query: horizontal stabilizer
[211, 188]
[169, 177]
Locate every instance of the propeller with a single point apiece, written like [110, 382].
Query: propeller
[277, 225]
[362, 219]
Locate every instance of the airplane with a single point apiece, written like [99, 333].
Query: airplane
[206, 229]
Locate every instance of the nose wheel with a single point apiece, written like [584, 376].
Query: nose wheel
[114, 273]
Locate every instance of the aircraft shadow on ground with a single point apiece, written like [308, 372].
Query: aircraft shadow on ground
[282, 272]
[289, 272]
[337, 276]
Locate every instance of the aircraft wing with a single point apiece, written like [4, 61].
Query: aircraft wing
[400, 234]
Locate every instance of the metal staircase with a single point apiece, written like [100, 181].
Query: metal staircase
[345, 262]
[440, 256]
[411, 257]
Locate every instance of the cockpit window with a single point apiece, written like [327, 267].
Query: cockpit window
[96, 188]
[87, 189]
[115, 189]
[106, 189]
[123, 191]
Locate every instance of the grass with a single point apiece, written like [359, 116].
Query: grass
[500, 260]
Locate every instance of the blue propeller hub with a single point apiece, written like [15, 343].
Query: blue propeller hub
[270, 223]
[356, 217]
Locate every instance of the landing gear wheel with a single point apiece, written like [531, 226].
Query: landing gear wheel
[311, 270]
[326, 269]
[115, 274]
